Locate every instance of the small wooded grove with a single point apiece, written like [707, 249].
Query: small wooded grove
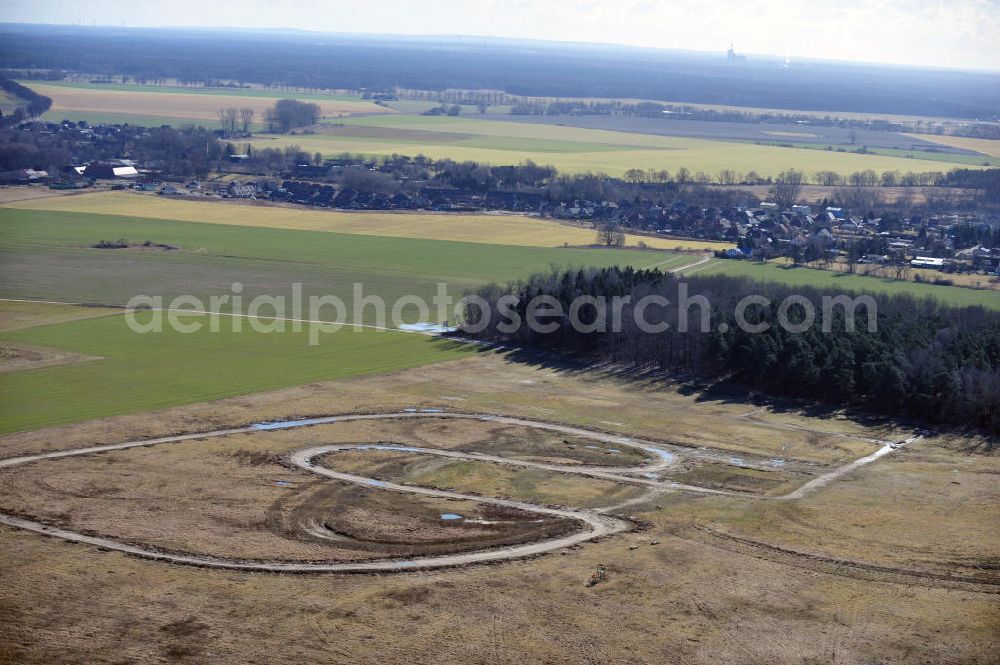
[921, 359]
[287, 114]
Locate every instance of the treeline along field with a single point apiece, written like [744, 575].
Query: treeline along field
[901, 356]
[31, 104]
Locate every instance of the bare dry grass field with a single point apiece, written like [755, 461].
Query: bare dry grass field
[875, 515]
[182, 107]
[15, 357]
[730, 580]
[517, 230]
[14, 194]
[928, 275]
[15, 315]
[532, 485]
[989, 147]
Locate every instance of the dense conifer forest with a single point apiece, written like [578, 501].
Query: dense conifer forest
[914, 358]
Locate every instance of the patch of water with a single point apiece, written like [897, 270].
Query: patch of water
[450, 516]
[285, 424]
[664, 455]
[431, 410]
[282, 483]
[382, 446]
[426, 327]
[777, 462]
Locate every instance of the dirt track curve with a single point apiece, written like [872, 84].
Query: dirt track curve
[594, 523]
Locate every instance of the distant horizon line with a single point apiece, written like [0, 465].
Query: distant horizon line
[486, 39]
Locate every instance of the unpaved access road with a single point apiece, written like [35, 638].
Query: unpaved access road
[594, 523]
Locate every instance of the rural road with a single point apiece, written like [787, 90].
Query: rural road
[594, 523]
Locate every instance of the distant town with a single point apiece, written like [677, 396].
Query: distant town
[854, 229]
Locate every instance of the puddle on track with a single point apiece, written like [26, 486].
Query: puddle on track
[384, 446]
[664, 455]
[285, 424]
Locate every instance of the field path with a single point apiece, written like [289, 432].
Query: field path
[700, 262]
[830, 476]
[594, 523]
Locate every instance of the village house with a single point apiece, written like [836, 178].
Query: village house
[241, 191]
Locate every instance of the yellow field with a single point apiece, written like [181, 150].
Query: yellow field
[178, 105]
[573, 149]
[515, 230]
[989, 147]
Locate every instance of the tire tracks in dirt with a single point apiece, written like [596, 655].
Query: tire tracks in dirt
[595, 524]
[835, 565]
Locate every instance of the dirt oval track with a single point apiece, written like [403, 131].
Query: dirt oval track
[593, 523]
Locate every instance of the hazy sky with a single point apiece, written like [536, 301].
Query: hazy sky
[946, 33]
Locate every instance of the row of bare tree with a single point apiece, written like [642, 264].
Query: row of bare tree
[866, 178]
[236, 121]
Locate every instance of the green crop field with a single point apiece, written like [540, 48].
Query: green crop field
[925, 155]
[138, 372]
[8, 102]
[573, 149]
[48, 255]
[955, 296]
